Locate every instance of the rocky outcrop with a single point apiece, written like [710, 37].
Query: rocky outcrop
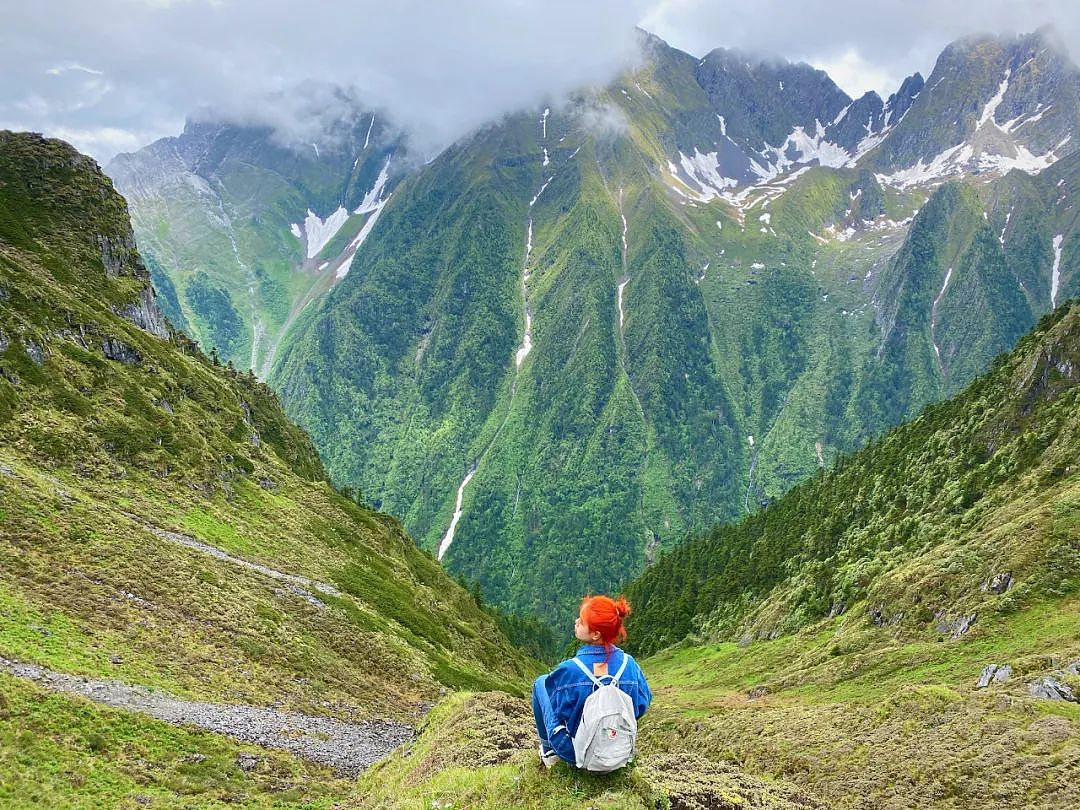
[117, 350]
[1048, 688]
[994, 673]
[954, 628]
[146, 314]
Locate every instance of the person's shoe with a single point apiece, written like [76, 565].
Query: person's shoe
[549, 758]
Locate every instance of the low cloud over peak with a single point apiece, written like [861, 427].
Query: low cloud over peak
[109, 73]
[114, 74]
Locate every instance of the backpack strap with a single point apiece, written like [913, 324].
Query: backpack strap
[585, 669]
[622, 667]
[597, 681]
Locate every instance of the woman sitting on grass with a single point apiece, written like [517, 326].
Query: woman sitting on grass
[604, 739]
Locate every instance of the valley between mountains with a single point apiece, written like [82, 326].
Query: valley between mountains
[308, 451]
[587, 330]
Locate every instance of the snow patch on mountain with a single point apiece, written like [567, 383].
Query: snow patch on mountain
[702, 171]
[990, 109]
[318, 231]
[373, 198]
[359, 239]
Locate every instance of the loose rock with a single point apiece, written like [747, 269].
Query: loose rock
[994, 673]
[1051, 689]
[347, 747]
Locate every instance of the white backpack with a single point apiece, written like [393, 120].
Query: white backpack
[607, 733]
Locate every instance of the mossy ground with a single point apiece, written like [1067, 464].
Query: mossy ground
[63, 752]
[866, 718]
[479, 751]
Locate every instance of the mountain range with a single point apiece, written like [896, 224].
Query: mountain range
[183, 591]
[586, 330]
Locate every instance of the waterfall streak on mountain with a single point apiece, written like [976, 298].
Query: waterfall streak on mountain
[448, 538]
[526, 340]
[367, 138]
[1055, 279]
[519, 358]
[933, 319]
[625, 275]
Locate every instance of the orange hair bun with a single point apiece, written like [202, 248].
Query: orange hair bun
[605, 615]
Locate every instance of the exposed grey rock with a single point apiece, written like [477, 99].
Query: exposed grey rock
[4, 295]
[6, 470]
[165, 406]
[954, 628]
[117, 253]
[4, 342]
[118, 350]
[146, 314]
[247, 762]
[999, 583]
[347, 747]
[994, 673]
[1051, 689]
[267, 484]
[1073, 668]
[35, 353]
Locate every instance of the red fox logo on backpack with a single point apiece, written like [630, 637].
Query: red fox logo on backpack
[613, 733]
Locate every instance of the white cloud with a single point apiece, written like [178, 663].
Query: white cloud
[855, 74]
[140, 66]
[440, 68]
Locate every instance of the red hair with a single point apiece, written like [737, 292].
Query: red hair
[605, 615]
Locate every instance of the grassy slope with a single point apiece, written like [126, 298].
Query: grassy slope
[871, 708]
[92, 450]
[976, 486]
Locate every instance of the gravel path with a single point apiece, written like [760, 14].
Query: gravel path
[347, 747]
[301, 586]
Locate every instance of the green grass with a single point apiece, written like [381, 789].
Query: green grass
[64, 752]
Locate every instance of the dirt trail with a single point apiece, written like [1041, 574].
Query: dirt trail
[301, 586]
[346, 747]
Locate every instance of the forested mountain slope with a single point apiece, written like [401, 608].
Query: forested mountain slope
[968, 511]
[587, 329]
[242, 231]
[564, 347]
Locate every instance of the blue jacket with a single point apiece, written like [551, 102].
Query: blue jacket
[567, 687]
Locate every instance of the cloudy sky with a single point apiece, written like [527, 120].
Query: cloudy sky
[113, 75]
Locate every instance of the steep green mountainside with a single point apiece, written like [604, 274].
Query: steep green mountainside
[248, 230]
[888, 629]
[163, 523]
[585, 331]
[966, 513]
